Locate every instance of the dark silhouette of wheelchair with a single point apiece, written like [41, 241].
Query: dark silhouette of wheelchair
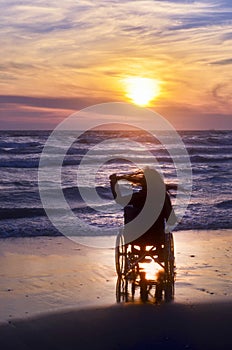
[146, 267]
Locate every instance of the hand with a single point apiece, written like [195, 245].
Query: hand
[113, 177]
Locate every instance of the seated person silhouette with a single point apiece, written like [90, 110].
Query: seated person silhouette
[150, 198]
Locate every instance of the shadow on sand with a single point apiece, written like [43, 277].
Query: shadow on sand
[124, 326]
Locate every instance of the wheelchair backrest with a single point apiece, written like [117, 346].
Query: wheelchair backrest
[130, 213]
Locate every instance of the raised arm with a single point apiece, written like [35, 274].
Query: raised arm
[114, 185]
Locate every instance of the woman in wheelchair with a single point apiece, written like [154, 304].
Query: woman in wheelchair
[147, 239]
[155, 234]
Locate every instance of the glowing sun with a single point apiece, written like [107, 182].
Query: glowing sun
[142, 90]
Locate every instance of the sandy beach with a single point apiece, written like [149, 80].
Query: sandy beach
[115, 116]
[57, 294]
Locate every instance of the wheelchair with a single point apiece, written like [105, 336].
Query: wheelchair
[146, 265]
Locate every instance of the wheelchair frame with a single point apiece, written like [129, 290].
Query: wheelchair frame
[131, 275]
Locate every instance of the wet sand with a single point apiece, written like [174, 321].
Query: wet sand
[56, 294]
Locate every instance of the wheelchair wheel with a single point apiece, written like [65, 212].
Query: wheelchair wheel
[169, 292]
[121, 290]
[133, 286]
[169, 269]
[120, 255]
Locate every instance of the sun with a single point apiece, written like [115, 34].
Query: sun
[141, 90]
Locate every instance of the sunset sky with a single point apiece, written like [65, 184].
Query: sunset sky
[60, 56]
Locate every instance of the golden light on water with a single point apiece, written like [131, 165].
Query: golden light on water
[141, 91]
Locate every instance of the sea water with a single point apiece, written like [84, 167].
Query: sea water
[21, 210]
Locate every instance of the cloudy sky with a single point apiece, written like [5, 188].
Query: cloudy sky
[60, 56]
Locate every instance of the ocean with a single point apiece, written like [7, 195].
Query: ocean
[21, 209]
